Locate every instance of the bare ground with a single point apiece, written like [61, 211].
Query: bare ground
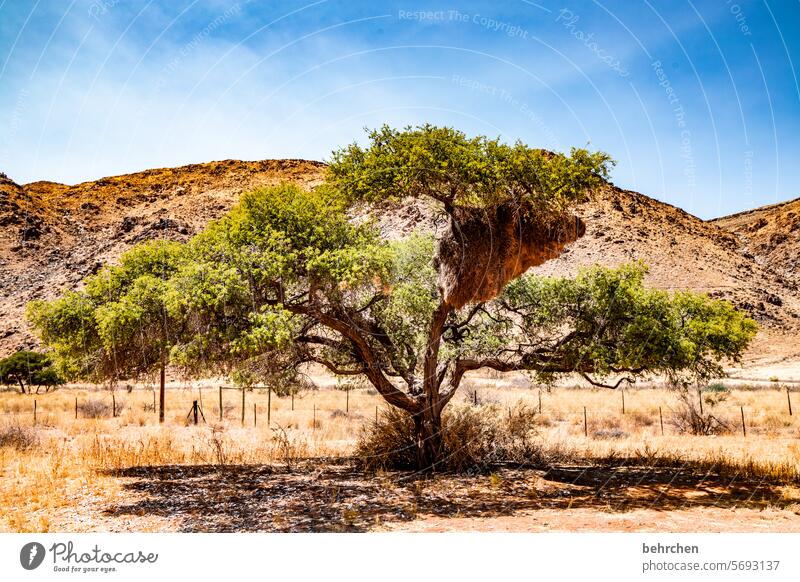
[325, 496]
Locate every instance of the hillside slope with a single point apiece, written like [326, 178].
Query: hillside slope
[52, 235]
[770, 234]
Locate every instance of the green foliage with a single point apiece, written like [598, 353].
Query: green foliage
[617, 324]
[277, 246]
[444, 164]
[29, 368]
[122, 323]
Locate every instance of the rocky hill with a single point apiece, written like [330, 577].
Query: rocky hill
[770, 235]
[52, 235]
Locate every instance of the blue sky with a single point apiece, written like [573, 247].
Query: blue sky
[698, 101]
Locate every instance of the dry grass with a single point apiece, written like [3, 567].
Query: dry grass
[62, 461]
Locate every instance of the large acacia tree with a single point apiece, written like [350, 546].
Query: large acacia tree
[289, 278]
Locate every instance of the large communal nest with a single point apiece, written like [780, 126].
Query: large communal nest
[485, 248]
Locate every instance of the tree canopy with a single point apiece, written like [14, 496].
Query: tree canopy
[444, 164]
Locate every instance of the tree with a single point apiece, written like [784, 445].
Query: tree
[31, 368]
[288, 279]
[121, 324]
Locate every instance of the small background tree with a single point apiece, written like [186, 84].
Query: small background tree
[27, 368]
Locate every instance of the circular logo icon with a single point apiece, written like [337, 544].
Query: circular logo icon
[31, 555]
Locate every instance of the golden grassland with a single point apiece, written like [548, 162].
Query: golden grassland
[55, 464]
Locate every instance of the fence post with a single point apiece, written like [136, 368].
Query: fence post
[585, 423]
[154, 400]
[661, 419]
[255, 415]
[76, 408]
[314, 419]
[475, 398]
[789, 400]
[34, 412]
[347, 401]
[113, 406]
[242, 405]
[700, 398]
[744, 430]
[200, 394]
[194, 411]
[269, 405]
[623, 400]
[540, 400]
[220, 403]
[292, 400]
[376, 417]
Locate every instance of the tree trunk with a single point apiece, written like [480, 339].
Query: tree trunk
[161, 393]
[428, 421]
[428, 437]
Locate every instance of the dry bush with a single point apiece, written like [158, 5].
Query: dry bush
[610, 434]
[94, 408]
[16, 436]
[474, 439]
[689, 419]
[289, 450]
[639, 418]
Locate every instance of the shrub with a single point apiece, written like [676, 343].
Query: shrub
[97, 408]
[18, 437]
[610, 434]
[689, 418]
[474, 438]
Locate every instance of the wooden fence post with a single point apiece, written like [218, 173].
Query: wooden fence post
[220, 403]
[789, 400]
[623, 400]
[540, 400]
[744, 430]
[255, 415]
[347, 401]
[292, 400]
[585, 423]
[700, 398]
[76, 408]
[194, 411]
[113, 406]
[34, 412]
[661, 419]
[154, 400]
[242, 405]
[269, 405]
[376, 417]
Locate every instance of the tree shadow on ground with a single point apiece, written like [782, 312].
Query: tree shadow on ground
[323, 495]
